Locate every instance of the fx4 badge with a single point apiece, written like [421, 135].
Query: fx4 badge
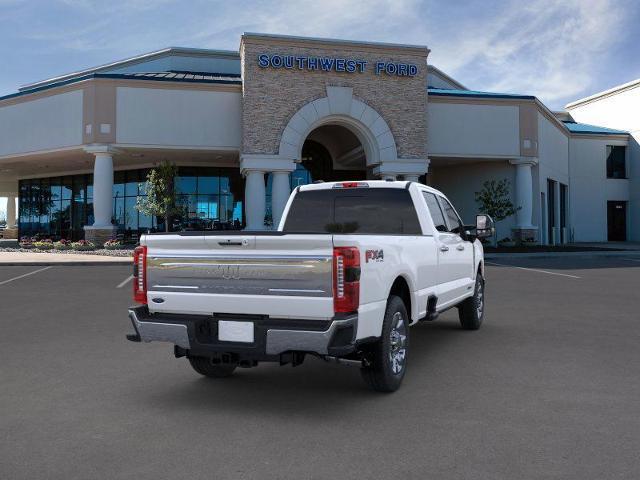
[374, 256]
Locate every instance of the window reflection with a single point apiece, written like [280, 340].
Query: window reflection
[59, 207]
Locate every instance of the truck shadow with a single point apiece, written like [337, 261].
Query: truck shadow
[315, 388]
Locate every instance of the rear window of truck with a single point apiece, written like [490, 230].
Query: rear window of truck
[387, 211]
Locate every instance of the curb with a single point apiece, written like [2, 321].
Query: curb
[595, 253]
[88, 263]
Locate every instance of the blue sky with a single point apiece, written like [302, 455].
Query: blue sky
[557, 50]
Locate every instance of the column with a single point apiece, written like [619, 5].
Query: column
[102, 190]
[11, 211]
[525, 230]
[254, 166]
[280, 190]
[254, 197]
[102, 228]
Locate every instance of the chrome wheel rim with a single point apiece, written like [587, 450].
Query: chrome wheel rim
[398, 344]
[479, 300]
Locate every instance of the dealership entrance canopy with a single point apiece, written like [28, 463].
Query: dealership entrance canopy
[245, 127]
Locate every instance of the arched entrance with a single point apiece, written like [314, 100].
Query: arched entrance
[337, 137]
[332, 153]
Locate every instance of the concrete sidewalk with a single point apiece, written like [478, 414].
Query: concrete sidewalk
[36, 259]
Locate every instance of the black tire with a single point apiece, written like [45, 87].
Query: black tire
[387, 358]
[471, 311]
[203, 366]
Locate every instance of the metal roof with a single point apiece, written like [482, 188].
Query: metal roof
[135, 60]
[585, 128]
[444, 92]
[187, 77]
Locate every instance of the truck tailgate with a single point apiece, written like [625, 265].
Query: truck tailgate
[275, 274]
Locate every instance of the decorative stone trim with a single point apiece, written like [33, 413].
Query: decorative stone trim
[340, 107]
[402, 167]
[265, 163]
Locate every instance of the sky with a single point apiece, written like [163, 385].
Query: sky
[557, 50]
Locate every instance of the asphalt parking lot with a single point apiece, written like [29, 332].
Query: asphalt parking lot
[548, 388]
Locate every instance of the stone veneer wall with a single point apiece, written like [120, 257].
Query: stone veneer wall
[272, 96]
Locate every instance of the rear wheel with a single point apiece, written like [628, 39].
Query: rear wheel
[204, 366]
[471, 311]
[387, 358]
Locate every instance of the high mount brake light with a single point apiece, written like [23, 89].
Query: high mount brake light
[140, 275]
[346, 279]
[351, 185]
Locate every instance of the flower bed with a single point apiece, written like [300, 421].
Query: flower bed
[83, 245]
[113, 245]
[62, 245]
[43, 244]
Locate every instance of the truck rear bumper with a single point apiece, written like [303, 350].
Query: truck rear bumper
[272, 337]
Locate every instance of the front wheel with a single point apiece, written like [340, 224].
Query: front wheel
[204, 366]
[387, 358]
[471, 311]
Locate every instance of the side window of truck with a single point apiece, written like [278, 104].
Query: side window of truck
[455, 225]
[435, 211]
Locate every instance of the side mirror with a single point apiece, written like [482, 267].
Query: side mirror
[485, 227]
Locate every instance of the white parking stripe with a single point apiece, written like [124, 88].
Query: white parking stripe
[125, 281]
[533, 270]
[25, 275]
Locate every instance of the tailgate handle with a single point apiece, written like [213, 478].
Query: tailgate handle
[229, 243]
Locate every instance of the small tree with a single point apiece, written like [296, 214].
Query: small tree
[161, 194]
[495, 199]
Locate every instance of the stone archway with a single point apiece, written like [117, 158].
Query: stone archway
[339, 107]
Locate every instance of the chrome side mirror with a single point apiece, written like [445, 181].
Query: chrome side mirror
[485, 227]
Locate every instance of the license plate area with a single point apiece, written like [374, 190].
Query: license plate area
[236, 331]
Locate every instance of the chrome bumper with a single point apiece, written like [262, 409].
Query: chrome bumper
[274, 342]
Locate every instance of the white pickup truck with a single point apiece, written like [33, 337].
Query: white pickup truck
[350, 268]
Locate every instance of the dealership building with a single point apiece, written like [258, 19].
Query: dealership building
[246, 127]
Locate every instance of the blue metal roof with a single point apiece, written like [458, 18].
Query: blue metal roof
[575, 127]
[188, 77]
[444, 92]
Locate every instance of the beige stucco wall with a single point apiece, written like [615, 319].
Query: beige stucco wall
[272, 96]
[45, 123]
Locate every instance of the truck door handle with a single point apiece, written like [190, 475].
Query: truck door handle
[460, 247]
[444, 248]
[230, 244]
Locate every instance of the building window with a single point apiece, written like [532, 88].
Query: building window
[616, 161]
[59, 207]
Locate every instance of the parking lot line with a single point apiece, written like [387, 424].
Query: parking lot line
[25, 275]
[533, 270]
[125, 281]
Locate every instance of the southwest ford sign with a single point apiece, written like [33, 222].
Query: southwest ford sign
[334, 64]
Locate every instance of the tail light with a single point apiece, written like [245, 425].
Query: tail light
[346, 279]
[140, 275]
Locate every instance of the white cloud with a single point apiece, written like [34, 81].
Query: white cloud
[548, 48]
[545, 48]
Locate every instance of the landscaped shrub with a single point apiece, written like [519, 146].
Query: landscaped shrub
[83, 245]
[26, 242]
[62, 245]
[45, 244]
[113, 244]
